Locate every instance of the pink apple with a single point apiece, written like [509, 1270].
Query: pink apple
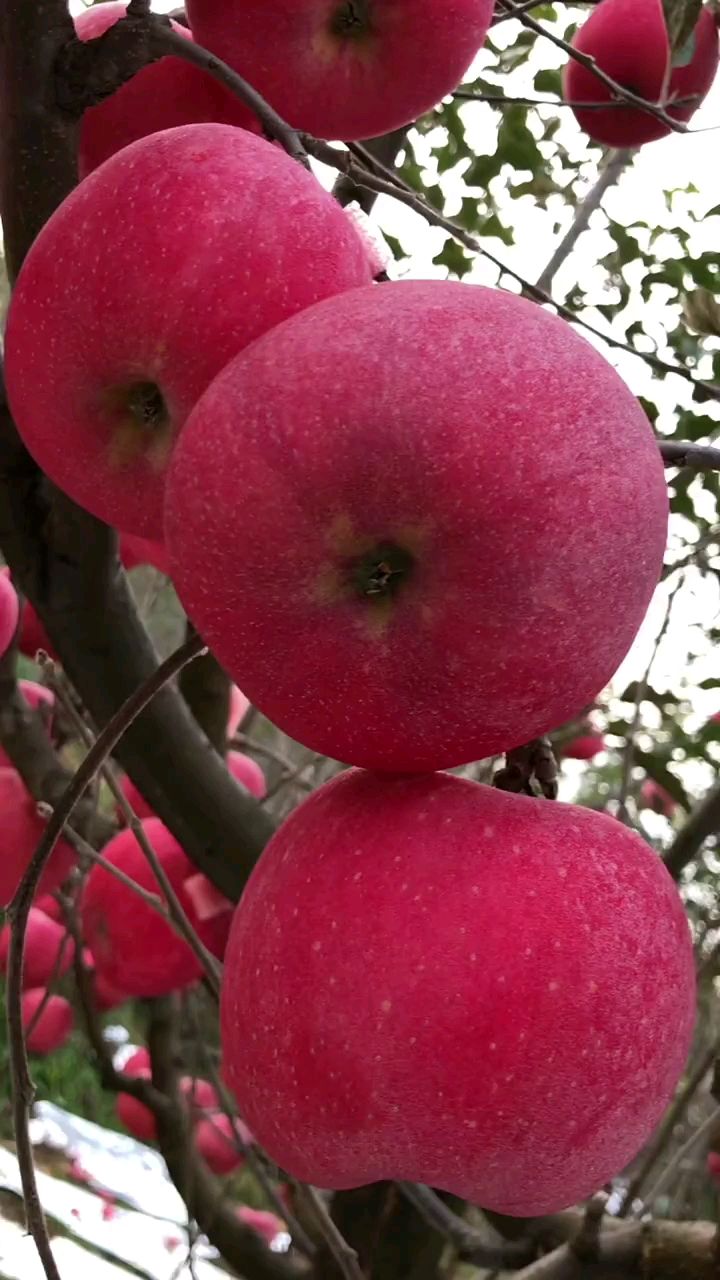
[389, 590]
[21, 831]
[267, 1224]
[222, 236]
[432, 980]
[629, 41]
[48, 950]
[38, 697]
[138, 1064]
[215, 1140]
[133, 550]
[31, 635]
[9, 613]
[49, 906]
[239, 707]
[657, 798]
[54, 1024]
[584, 747]
[346, 68]
[167, 93]
[133, 947]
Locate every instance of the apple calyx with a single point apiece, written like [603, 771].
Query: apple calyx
[381, 571]
[142, 422]
[351, 19]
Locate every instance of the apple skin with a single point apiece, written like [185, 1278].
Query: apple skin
[48, 950]
[21, 831]
[136, 950]
[167, 93]
[215, 1142]
[629, 41]
[133, 550]
[657, 798]
[431, 980]
[37, 696]
[585, 746]
[116, 355]
[31, 634]
[361, 424]
[267, 1224]
[54, 1025]
[239, 707]
[397, 62]
[134, 1115]
[9, 613]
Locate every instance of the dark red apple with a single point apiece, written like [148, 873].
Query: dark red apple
[9, 613]
[224, 235]
[167, 93]
[216, 1141]
[346, 68]
[133, 947]
[48, 949]
[134, 550]
[22, 828]
[135, 1116]
[54, 1024]
[584, 747]
[389, 590]
[629, 41]
[432, 980]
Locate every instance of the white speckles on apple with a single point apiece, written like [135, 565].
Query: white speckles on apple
[386, 1006]
[317, 945]
[553, 986]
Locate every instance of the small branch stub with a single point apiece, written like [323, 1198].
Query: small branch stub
[529, 770]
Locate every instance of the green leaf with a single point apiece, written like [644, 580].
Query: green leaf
[681, 19]
[453, 256]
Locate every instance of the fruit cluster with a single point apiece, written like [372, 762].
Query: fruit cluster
[419, 523]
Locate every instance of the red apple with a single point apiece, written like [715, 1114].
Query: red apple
[135, 1116]
[167, 93]
[48, 950]
[657, 798]
[239, 707]
[22, 828]
[432, 980]
[629, 41]
[133, 550]
[713, 1165]
[49, 906]
[222, 236]
[585, 746]
[37, 697]
[215, 1140]
[346, 68]
[54, 1025]
[267, 1224]
[389, 590]
[138, 1064]
[9, 613]
[133, 947]
[200, 1095]
[105, 994]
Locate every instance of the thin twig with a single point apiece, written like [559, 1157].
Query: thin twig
[640, 691]
[21, 1082]
[609, 175]
[703, 457]
[502, 100]
[710, 1123]
[470, 1243]
[344, 1255]
[176, 913]
[586, 60]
